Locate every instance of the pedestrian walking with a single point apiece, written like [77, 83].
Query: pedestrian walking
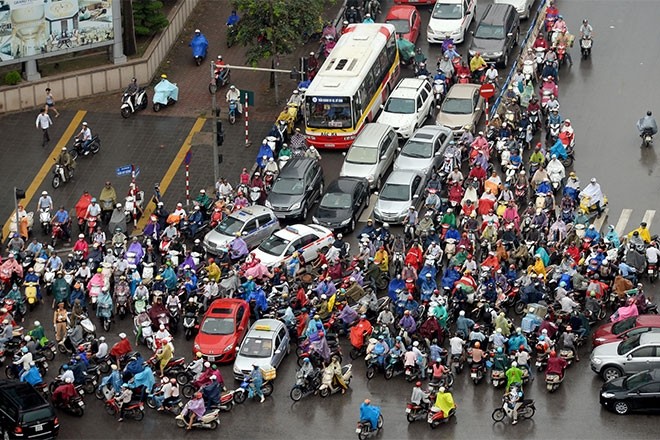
[44, 122]
[50, 103]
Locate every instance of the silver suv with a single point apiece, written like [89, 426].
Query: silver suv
[632, 355]
[253, 223]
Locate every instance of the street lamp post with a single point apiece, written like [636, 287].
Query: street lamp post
[215, 111]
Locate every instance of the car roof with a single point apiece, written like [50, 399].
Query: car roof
[648, 321]
[407, 88]
[225, 303]
[462, 90]
[345, 185]
[22, 395]
[251, 211]
[296, 231]
[397, 12]
[495, 13]
[371, 131]
[428, 133]
[265, 328]
[649, 338]
[402, 177]
[296, 167]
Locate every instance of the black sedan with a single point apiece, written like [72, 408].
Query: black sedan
[639, 392]
[343, 202]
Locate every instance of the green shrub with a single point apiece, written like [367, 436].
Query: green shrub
[12, 78]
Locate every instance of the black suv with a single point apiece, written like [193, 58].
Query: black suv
[298, 186]
[25, 413]
[496, 34]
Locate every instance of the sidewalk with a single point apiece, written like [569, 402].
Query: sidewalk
[210, 17]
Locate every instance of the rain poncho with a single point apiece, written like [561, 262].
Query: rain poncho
[445, 402]
[370, 413]
[144, 378]
[165, 89]
[647, 122]
[559, 150]
[594, 193]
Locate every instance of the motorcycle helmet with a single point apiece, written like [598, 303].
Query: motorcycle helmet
[499, 349]
[68, 380]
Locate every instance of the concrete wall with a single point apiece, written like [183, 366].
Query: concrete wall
[79, 84]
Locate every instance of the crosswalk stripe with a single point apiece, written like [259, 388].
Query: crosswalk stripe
[623, 221]
[648, 218]
[599, 221]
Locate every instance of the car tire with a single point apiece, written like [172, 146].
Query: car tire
[610, 373]
[304, 213]
[621, 408]
[351, 226]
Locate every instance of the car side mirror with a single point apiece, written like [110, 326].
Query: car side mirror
[237, 348]
[416, 196]
[437, 107]
[343, 153]
[471, 32]
[278, 351]
[382, 106]
[398, 148]
[629, 357]
[437, 153]
[376, 193]
[383, 157]
[477, 109]
[510, 34]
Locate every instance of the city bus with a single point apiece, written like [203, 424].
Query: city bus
[353, 82]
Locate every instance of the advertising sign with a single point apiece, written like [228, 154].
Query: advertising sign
[31, 29]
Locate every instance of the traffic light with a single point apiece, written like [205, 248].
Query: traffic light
[19, 194]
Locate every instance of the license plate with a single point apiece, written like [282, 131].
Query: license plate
[45, 364]
[81, 403]
[38, 428]
[538, 364]
[650, 271]
[53, 349]
[408, 410]
[473, 375]
[211, 358]
[358, 430]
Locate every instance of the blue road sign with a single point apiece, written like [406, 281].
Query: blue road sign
[124, 171]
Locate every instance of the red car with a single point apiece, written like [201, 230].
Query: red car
[623, 329]
[406, 21]
[222, 329]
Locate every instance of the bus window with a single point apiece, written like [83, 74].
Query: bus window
[383, 62]
[377, 72]
[391, 49]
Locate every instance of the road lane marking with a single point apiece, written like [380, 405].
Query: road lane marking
[648, 218]
[46, 167]
[171, 172]
[599, 221]
[623, 221]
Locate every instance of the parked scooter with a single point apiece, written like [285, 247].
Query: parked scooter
[131, 104]
[165, 94]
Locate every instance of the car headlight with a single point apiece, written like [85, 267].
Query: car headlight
[315, 220]
[345, 222]
[608, 395]
[425, 170]
[597, 361]
[370, 178]
[472, 52]
[268, 204]
[601, 339]
[227, 348]
[196, 346]
[295, 206]
[497, 54]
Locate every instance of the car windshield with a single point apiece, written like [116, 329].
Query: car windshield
[218, 326]
[274, 245]
[627, 345]
[257, 348]
[362, 155]
[289, 187]
[636, 380]
[400, 105]
[395, 192]
[323, 112]
[490, 32]
[229, 226]
[400, 26]
[625, 325]
[417, 149]
[336, 201]
[447, 11]
[457, 106]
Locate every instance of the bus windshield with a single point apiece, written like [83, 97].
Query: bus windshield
[328, 112]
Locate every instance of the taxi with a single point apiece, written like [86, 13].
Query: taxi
[265, 345]
[281, 245]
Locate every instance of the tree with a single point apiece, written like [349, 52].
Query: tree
[148, 18]
[276, 27]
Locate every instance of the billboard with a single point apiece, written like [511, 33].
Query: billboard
[31, 29]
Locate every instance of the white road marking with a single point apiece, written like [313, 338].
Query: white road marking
[623, 221]
[648, 218]
[599, 221]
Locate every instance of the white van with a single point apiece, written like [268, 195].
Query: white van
[450, 18]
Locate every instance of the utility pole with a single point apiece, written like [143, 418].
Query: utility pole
[215, 111]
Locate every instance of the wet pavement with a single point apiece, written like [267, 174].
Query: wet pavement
[602, 98]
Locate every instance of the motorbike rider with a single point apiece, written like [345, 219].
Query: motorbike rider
[233, 94]
[65, 159]
[369, 413]
[419, 396]
[61, 218]
[256, 381]
[477, 65]
[195, 407]
[132, 90]
[595, 195]
[556, 365]
[444, 402]
[514, 376]
[568, 342]
[514, 399]
[85, 135]
[647, 124]
[64, 393]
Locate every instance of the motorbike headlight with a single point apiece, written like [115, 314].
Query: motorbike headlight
[268, 204]
[607, 395]
[228, 348]
[295, 206]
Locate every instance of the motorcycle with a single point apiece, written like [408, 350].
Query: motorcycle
[75, 406]
[497, 377]
[393, 367]
[78, 150]
[328, 387]
[200, 47]
[173, 310]
[210, 420]
[647, 138]
[477, 372]
[189, 325]
[233, 112]
[365, 430]
[165, 94]
[104, 310]
[44, 219]
[439, 90]
[243, 392]
[305, 386]
[142, 325]
[585, 47]
[121, 297]
[132, 103]
[132, 410]
[221, 78]
[416, 412]
[31, 294]
[436, 417]
[526, 410]
[552, 382]
[61, 175]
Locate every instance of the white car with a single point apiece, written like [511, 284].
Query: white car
[281, 245]
[265, 345]
[450, 18]
[408, 106]
[523, 7]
